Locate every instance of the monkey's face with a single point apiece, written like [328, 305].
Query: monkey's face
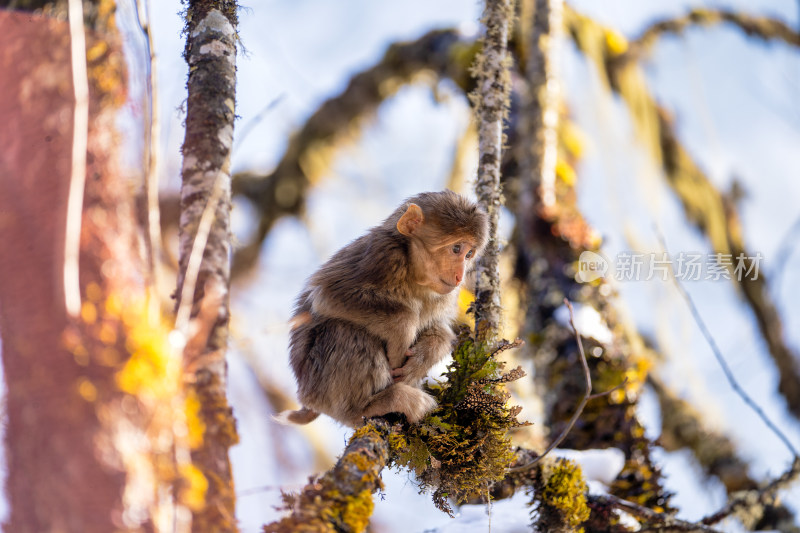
[441, 267]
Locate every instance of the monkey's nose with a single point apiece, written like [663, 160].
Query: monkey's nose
[459, 276]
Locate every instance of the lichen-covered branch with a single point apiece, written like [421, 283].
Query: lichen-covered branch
[542, 25]
[457, 451]
[211, 55]
[341, 500]
[491, 100]
[537, 150]
[651, 520]
[548, 246]
[749, 505]
[705, 207]
[338, 121]
[683, 426]
[765, 28]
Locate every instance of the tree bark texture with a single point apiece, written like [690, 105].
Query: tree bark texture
[341, 500]
[491, 100]
[211, 55]
[542, 23]
[92, 400]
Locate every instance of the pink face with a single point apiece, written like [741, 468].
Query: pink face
[449, 264]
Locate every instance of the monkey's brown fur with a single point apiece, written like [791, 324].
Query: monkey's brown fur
[374, 318]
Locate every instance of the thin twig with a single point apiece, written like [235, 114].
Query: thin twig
[245, 130]
[586, 397]
[654, 521]
[196, 257]
[152, 151]
[757, 496]
[80, 141]
[609, 391]
[785, 249]
[718, 354]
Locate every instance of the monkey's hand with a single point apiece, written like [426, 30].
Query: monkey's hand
[413, 369]
[433, 345]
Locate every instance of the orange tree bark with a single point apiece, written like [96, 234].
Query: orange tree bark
[93, 400]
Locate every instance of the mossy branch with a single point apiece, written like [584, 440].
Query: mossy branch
[341, 499]
[542, 23]
[750, 504]
[586, 397]
[683, 426]
[710, 211]
[204, 244]
[491, 101]
[651, 520]
[765, 28]
[455, 452]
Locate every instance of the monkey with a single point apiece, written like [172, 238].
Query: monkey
[373, 319]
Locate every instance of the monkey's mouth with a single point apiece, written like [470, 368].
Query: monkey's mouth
[449, 286]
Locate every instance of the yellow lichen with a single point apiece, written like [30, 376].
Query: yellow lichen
[565, 172]
[358, 460]
[560, 497]
[194, 487]
[465, 299]
[194, 423]
[616, 43]
[358, 510]
[93, 292]
[107, 334]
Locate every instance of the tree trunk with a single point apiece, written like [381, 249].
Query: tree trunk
[204, 276]
[491, 106]
[93, 397]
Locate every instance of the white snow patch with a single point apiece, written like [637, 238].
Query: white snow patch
[600, 467]
[588, 321]
[509, 516]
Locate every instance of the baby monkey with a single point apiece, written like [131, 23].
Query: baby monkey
[372, 321]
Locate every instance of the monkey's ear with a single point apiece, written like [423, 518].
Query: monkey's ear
[411, 220]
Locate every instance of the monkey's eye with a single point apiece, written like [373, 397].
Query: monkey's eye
[456, 248]
[471, 253]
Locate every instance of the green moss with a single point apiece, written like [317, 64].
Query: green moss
[462, 446]
[340, 500]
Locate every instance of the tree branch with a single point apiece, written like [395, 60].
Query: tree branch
[586, 396]
[205, 209]
[341, 499]
[723, 363]
[765, 28]
[491, 101]
[705, 207]
[748, 500]
[652, 520]
[542, 20]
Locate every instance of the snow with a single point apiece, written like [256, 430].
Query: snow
[587, 320]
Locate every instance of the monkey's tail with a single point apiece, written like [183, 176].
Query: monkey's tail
[301, 416]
